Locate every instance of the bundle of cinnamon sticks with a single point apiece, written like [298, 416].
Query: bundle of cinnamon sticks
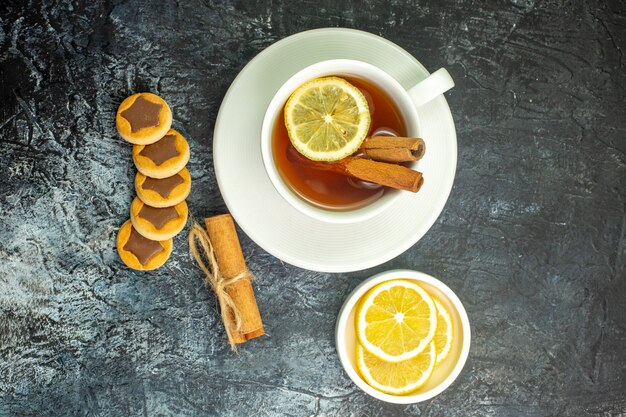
[218, 253]
[379, 163]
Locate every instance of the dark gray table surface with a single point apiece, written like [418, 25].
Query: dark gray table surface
[532, 238]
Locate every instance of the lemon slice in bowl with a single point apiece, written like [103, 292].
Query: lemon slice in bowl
[444, 332]
[327, 119]
[396, 320]
[396, 378]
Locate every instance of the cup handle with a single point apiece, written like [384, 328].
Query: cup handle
[435, 84]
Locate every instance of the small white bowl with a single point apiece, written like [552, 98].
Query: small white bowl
[445, 372]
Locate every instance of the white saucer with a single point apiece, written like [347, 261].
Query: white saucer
[274, 224]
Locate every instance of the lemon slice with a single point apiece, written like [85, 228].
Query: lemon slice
[396, 320]
[327, 119]
[444, 332]
[396, 378]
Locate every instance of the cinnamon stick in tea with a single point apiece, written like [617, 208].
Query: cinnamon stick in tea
[230, 260]
[393, 149]
[390, 175]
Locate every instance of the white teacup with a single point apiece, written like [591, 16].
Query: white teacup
[406, 101]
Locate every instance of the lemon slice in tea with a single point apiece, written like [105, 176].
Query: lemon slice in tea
[327, 119]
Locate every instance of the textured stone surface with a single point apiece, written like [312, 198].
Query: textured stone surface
[532, 238]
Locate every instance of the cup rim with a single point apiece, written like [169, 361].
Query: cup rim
[350, 304]
[280, 97]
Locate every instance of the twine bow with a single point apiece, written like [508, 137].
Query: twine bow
[229, 311]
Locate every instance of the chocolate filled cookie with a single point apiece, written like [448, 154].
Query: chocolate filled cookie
[143, 118]
[164, 192]
[158, 223]
[162, 158]
[139, 252]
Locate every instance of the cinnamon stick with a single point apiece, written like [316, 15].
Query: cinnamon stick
[393, 149]
[230, 260]
[390, 175]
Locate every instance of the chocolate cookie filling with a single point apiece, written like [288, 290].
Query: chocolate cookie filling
[161, 150]
[141, 247]
[158, 216]
[142, 113]
[163, 186]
